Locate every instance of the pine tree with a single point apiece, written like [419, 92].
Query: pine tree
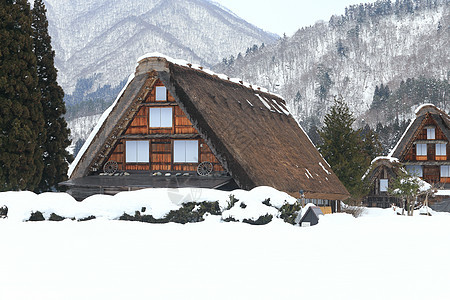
[21, 118]
[56, 140]
[344, 148]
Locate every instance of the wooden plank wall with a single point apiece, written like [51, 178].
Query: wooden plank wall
[161, 156]
[431, 148]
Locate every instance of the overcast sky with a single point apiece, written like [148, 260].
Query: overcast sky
[287, 16]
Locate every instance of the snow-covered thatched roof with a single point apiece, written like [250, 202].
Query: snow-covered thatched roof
[249, 130]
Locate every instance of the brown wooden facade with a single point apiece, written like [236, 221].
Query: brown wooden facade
[161, 139]
[429, 136]
[383, 171]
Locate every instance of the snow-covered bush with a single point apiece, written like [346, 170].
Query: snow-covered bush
[185, 205]
[190, 212]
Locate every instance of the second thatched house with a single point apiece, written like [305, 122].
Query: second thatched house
[178, 125]
[422, 151]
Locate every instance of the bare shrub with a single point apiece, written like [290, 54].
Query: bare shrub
[355, 211]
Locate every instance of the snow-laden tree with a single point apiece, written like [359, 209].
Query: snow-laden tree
[21, 118]
[408, 188]
[56, 138]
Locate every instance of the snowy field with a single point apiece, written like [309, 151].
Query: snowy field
[377, 256]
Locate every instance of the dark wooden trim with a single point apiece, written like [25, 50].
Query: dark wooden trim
[427, 163]
[162, 104]
[430, 142]
[160, 136]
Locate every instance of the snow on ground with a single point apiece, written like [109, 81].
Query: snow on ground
[377, 256]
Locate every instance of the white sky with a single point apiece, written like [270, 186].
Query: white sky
[287, 16]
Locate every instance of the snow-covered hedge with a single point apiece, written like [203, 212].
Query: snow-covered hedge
[258, 206]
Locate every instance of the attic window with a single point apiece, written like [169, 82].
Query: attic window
[185, 151]
[384, 184]
[161, 93]
[160, 116]
[431, 133]
[137, 151]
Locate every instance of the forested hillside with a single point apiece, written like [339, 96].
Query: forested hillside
[100, 40]
[402, 45]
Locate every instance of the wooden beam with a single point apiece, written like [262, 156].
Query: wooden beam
[160, 136]
[158, 104]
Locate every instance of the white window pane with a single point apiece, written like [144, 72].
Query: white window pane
[431, 133]
[161, 94]
[384, 184]
[421, 149]
[131, 151]
[441, 149]
[166, 117]
[192, 151]
[414, 170]
[179, 151]
[445, 171]
[142, 151]
[155, 117]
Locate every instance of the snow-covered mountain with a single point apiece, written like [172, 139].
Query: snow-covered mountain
[372, 44]
[102, 39]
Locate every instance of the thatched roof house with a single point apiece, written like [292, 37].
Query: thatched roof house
[423, 151]
[172, 116]
[383, 170]
[429, 120]
[423, 148]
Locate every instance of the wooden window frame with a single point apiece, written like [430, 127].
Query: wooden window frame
[431, 133]
[420, 153]
[447, 171]
[185, 162]
[442, 153]
[137, 155]
[160, 119]
[386, 181]
[158, 88]
[416, 167]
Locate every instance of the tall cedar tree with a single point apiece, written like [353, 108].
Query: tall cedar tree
[55, 156]
[21, 118]
[344, 148]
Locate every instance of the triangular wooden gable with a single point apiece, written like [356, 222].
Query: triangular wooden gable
[420, 134]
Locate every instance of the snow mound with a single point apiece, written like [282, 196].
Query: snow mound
[157, 203]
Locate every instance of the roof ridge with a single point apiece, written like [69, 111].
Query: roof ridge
[184, 63]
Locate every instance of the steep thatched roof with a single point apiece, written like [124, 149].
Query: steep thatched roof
[439, 116]
[251, 132]
[390, 164]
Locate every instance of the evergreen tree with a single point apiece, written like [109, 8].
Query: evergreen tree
[371, 142]
[56, 140]
[324, 81]
[344, 148]
[21, 118]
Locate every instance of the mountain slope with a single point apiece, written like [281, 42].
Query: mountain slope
[103, 38]
[350, 55]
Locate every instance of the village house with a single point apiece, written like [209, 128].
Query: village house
[178, 125]
[422, 150]
[382, 171]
